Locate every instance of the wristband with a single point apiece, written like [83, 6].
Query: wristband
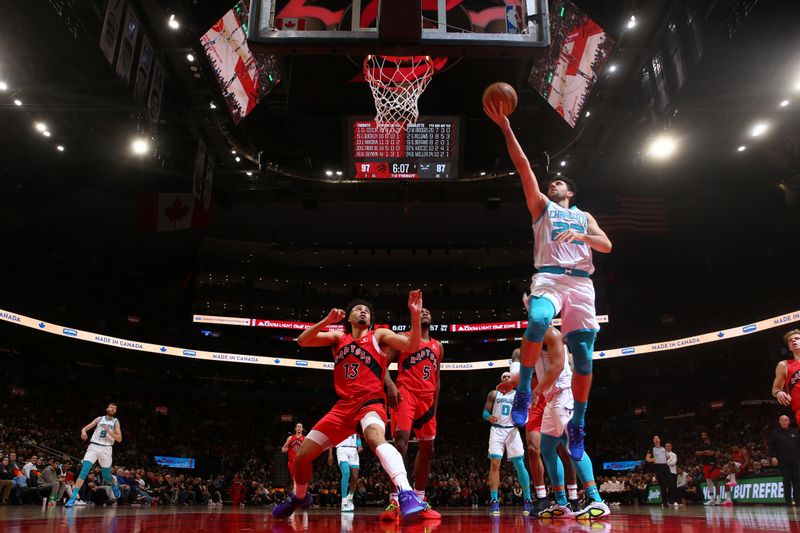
[486, 415]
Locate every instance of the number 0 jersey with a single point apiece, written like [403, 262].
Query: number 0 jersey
[358, 367]
[416, 371]
[547, 252]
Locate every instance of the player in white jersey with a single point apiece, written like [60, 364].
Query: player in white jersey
[564, 238]
[347, 456]
[504, 437]
[107, 431]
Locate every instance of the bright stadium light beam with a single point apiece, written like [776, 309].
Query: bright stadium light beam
[632, 22]
[662, 147]
[139, 146]
[173, 22]
[40, 126]
[758, 129]
[3, 86]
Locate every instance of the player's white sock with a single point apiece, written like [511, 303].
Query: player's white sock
[420, 494]
[572, 492]
[300, 490]
[392, 463]
[541, 492]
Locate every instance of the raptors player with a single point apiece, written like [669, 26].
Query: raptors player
[564, 238]
[413, 401]
[359, 369]
[292, 446]
[787, 375]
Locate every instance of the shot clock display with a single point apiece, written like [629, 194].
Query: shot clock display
[428, 149]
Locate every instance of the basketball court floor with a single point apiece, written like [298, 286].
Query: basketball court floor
[132, 519]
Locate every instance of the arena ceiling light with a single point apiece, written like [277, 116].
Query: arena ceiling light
[329, 172]
[612, 68]
[563, 163]
[190, 58]
[758, 129]
[249, 173]
[40, 126]
[3, 86]
[662, 147]
[631, 22]
[60, 148]
[139, 146]
[46, 133]
[339, 172]
[173, 22]
[784, 103]
[742, 148]
[212, 105]
[17, 102]
[238, 159]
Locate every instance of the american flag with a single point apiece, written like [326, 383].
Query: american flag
[628, 213]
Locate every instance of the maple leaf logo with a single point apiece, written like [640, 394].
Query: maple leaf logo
[176, 211]
[288, 24]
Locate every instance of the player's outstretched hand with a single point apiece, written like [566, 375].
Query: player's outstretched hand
[415, 302]
[336, 315]
[784, 398]
[392, 397]
[84, 436]
[496, 113]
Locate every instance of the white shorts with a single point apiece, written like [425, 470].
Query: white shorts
[99, 454]
[557, 413]
[571, 296]
[347, 454]
[505, 440]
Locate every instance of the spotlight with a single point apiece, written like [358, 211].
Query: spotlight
[190, 57]
[3, 86]
[233, 152]
[139, 146]
[60, 148]
[612, 68]
[742, 148]
[339, 172]
[588, 113]
[632, 22]
[249, 173]
[238, 159]
[563, 163]
[329, 172]
[212, 105]
[40, 126]
[661, 147]
[17, 102]
[173, 22]
[46, 133]
[784, 103]
[758, 129]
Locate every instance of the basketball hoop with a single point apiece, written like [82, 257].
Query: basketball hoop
[397, 83]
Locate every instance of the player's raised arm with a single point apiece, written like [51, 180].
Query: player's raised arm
[314, 336]
[488, 406]
[410, 342]
[536, 200]
[781, 395]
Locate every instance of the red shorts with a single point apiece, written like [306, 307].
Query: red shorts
[710, 472]
[536, 414]
[344, 417]
[415, 412]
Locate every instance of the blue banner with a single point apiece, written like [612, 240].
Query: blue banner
[174, 462]
[622, 465]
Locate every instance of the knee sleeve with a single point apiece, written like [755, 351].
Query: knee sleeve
[581, 345]
[107, 474]
[85, 469]
[540, 315]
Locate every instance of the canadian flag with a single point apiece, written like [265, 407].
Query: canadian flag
[291, 24]
[172, 212]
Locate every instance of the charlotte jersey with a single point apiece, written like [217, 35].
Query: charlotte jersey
[100, 435]
[502, 408]
[546, 252]
[350, 442]
[564, 380]
[359, 366]
[792, 381]
[416, 371]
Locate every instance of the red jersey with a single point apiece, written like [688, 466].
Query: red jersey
[416, 371]
[358, 367]
[792, 380]
[294, 446]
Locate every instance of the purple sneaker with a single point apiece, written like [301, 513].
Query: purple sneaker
[520, 407]
[410, 504]
[285, 509]
[576, 436]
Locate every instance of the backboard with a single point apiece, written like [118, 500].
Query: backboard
[497, 28]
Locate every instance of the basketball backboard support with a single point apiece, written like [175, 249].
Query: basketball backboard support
[496, 28]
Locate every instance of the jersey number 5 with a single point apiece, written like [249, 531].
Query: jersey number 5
[351, 370]
[426, 372]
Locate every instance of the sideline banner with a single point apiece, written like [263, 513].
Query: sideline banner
[55, 329]
[748, 490]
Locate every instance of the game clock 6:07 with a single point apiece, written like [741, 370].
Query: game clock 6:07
[428, 149]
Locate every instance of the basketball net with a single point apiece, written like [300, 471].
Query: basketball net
[397, 83]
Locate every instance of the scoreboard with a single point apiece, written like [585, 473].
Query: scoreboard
[428, 149]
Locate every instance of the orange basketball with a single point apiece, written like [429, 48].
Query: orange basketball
[501, 92]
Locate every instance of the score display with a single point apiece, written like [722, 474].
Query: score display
[428, 149]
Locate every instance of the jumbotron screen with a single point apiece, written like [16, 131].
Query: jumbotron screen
[428, 149]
